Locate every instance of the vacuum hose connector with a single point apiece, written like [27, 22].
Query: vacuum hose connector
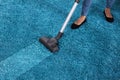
[77, 1]
[59, 35]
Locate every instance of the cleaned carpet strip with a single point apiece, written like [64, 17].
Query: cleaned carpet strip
[22, 61]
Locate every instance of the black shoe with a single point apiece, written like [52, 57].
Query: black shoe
[75, 26]
[108, 19]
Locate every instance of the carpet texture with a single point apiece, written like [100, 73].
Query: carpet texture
[91, 52]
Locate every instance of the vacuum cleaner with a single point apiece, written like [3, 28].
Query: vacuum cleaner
[52, 43]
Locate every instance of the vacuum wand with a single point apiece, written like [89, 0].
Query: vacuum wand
[52, 43]
[67, 20]
[69, 17]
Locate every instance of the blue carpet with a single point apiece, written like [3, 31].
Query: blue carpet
[91, 52]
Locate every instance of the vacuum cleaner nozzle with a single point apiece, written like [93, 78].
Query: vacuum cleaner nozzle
[50, 43]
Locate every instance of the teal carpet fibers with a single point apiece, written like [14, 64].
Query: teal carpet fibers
[91, 52]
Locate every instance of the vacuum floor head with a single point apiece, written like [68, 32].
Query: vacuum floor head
[50, 43]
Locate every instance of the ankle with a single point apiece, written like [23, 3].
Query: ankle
[82, 17]
[107, 10]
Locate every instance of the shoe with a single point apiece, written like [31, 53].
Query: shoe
[75, 26]
[108, 19]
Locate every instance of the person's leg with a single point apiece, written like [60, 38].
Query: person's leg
[107, 12]
[109, 3]
[85, 8]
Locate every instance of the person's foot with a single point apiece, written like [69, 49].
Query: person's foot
[108, 15]
[78, 22]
